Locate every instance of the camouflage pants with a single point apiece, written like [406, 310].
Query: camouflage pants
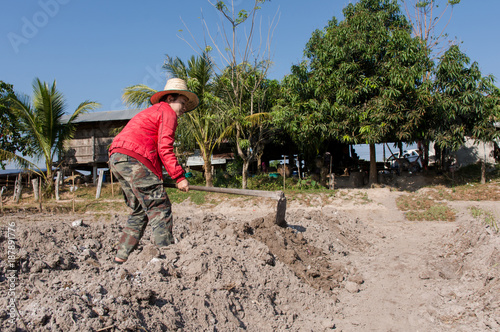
[145, 195]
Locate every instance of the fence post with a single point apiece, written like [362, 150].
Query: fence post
[34, 182]
[99, 183]
[40, 195]
[112, 185]
[18, 188]
[58, 181]
[1, 198]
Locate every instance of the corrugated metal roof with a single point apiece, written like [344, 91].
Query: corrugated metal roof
[105, 116]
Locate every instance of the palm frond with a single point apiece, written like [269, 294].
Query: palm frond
[83, 108]
[257, 119]
[229, 131]
[138, 95]
[176, 67]
[29, 120]
[19, 161]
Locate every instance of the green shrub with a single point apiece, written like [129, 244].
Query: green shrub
[225, 180]
[264, 182]
[307, 183]
[197, 178]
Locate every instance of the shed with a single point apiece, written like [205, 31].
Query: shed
[88, 150]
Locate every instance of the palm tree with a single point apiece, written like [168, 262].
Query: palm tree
[204, 124]
[41, 120]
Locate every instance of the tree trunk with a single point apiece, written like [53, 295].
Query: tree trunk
[373, 165]
[259, 162]
[244, 174]
[58, 181]
[35, 183]
[207, 166]
[426, 154]
[18, 189]
[50, 182]
[483, 172]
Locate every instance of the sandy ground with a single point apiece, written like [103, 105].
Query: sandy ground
[349, 261]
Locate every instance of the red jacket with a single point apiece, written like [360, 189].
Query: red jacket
[149, 137]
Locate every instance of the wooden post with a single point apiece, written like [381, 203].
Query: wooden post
[15, 189]
[99, 184]
[40, 196]
[332, 181]
[112, 189]
[1, 198]
[58, 181]
[94, 174]
[299, 167]
[18, 189]
[74, 190]
[331, 184]
[34, 182]
[284, 172]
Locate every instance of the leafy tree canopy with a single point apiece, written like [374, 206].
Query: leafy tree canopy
[466, 103]
[11, 136]
[363, 81]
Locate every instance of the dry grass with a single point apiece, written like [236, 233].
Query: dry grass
[418, 207]
[487, 217]
[430, 204]
[468, 192]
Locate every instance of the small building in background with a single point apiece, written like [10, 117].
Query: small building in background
[88, 150]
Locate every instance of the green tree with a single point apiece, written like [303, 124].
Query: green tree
[466, 103]
[249, 117]
[11, 138]
[429, 20]
[40, 118]
[299, 114]
[242, 78]
[265, 99]
[364, 81]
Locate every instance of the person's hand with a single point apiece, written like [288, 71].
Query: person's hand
[183, 185]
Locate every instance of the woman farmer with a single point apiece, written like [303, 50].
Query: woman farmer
[137, 155]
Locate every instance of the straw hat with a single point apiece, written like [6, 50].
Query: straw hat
[177, 85]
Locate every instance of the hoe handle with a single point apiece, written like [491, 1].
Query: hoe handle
[246, 192]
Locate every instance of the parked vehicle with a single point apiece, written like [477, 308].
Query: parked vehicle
[410, 160]
[412, 156]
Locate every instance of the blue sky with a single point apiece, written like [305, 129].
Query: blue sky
[94, 49]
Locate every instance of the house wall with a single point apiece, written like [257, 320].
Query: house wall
[472, 152]
[90, 143]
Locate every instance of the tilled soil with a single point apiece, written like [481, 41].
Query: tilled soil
[345, 262]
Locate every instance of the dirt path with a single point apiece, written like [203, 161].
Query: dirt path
[404, 288]
[393, 296]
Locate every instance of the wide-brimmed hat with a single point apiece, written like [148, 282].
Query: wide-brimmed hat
[177, 85]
